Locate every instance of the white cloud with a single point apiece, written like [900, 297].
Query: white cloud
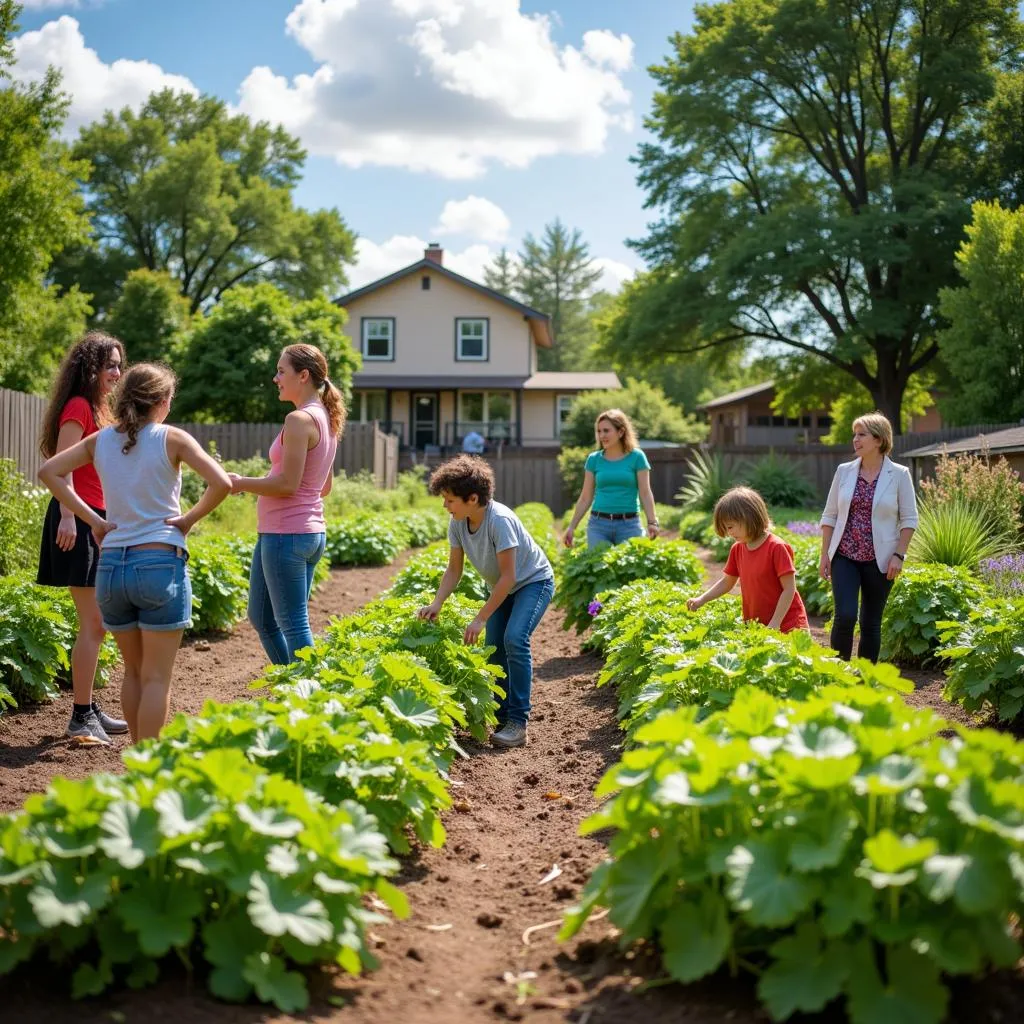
[93, 86]
[474, 217]
[41, 5]
[614, 274]
[443, 86]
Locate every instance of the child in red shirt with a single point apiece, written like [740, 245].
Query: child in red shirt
[761, 560]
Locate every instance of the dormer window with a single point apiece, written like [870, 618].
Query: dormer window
[379, 338]
[472, 339]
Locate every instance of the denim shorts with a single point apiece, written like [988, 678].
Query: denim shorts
[143, 589]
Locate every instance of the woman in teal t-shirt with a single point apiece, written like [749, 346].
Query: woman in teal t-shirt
[617, 479]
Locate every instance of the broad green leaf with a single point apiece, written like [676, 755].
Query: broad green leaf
[182, 814]
[68, 899]
[277, 909]
[130, 834]
[90, 980]
[696, 938]
[821, 841]
[632, 880]
[891, 854]
[912, 993]
[162, 914]
[819, 742]
[806, 975]
[393, 897]
[268, 821]
[762, 889]
[274, 983]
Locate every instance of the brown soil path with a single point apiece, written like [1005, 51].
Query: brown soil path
[466, 954]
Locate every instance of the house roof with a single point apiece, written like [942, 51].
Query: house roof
[540, 323]
[582, 381]
[420, 382]
[738, 396]
[1009, 440]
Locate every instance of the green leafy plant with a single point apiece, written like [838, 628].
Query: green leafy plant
[922, 597]
[422, 526]
[956, 531]
[987, 655]
[422, 574]
[839, 841]
[219, 571]
[692, 525]
[709, 476]
[780, 481]
[585, 571]
[815, 591]
[22, 509]
[718, 546]
[366, 541]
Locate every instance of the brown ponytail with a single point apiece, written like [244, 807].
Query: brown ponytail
[144, 386]
[311, 359]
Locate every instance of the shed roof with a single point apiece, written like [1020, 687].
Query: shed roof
[738, 396]
[1002, 441]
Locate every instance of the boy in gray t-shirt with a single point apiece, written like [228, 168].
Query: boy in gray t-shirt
[519, 574]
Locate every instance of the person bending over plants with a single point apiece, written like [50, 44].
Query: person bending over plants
[515, 569]
[763, 562]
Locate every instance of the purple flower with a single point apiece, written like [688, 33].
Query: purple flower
[802, 528]
[1005, 575]
[594, 607]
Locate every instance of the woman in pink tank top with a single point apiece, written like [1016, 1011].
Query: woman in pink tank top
[290, 508]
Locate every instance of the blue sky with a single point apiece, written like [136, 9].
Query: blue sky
[468, 122]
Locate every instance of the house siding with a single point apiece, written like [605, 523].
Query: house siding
[425, 329]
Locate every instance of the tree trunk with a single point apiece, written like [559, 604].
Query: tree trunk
[887, 391]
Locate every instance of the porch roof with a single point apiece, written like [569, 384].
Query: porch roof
[552, 380]
[419, 382]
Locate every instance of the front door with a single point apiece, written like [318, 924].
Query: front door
[424, 419]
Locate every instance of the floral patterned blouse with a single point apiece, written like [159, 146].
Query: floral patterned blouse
[857, 542]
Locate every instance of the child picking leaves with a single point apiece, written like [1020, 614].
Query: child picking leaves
[762, 561]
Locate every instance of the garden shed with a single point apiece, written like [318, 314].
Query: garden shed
[1008, 443]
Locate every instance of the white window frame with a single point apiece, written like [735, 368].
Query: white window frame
[366, 322]
[459, 356]
[558, 411]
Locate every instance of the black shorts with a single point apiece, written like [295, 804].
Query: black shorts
[74, 568]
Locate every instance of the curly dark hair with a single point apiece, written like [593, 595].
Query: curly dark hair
[462, 476]
[79, 377]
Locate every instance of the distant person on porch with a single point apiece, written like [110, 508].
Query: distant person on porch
[616, 481]
[473, 443]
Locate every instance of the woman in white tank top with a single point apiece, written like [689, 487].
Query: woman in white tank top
[142, 587]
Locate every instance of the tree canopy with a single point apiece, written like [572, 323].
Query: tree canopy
[186, 187]
[231, 356]
[814, 164]
[985, 338]
[151, 317]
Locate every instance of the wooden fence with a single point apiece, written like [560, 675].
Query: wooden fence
[363, 446]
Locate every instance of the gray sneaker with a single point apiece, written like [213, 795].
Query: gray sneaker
[111, 726]
[87, 732]
[511, 734]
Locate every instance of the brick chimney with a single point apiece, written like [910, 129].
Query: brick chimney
[434, 253]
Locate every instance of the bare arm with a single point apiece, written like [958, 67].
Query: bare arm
[449, 581]
[328, 484]
[721, 588]
[70, 434]
[584, 502]
[643, 483]
[785, 600]
[825, 564]
[55, 473]
[185, 448]
[299, 431]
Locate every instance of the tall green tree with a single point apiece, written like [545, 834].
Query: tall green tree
[556, 275]
[502, 274]
[814, 163]
[186, 187]
[984, 344]
[231, 355]
[41, 212]
[151, 317]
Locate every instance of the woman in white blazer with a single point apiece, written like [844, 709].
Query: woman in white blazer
[869, 518]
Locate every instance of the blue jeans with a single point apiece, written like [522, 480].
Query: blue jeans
[280, 581]
[852, 581]
[509, 630]
[612, 531]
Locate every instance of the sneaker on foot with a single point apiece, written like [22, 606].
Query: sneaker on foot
[511, 734]
[87, 731]
[111, 726]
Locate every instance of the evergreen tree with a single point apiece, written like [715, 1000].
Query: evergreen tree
[502, 275]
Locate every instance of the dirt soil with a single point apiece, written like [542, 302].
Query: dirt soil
[472, 950]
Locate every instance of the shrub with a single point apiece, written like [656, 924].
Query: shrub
[360, 492]
[366, 541]
[718, 546]
[669, 516]
[572, 468]
[922, 597]
[816, 592]
[540, 525]
[839, 843]
[980, 480]
[219, 570]
[692, 525]
[987, 652]
[586, 571]
[958, 532]
[1004, 576]
[708, 478]
[422, 527]
[22, 509]
[780, 481]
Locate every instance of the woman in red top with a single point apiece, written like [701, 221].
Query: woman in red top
[68, 555]
[761, 560]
